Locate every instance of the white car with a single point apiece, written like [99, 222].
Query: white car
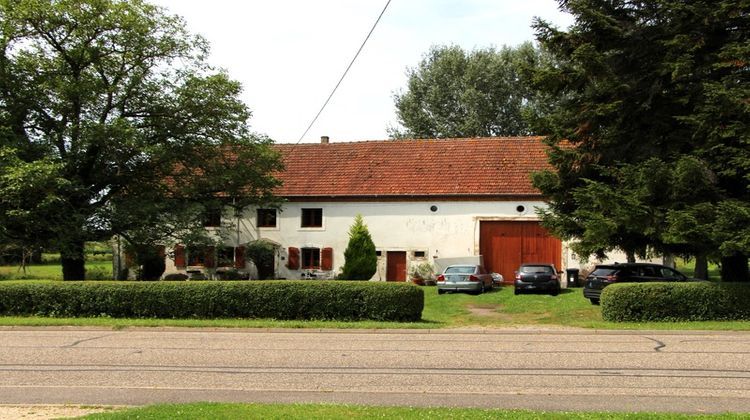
[465, 278]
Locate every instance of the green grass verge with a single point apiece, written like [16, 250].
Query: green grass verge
[346, 412]
[98, 270]
[497, 309]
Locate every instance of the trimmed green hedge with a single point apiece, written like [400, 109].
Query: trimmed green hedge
[321, 300]
[692, 301]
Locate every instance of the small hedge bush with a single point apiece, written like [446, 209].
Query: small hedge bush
[324, 300]
[692, 301]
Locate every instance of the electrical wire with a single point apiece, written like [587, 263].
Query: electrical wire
[345, 72]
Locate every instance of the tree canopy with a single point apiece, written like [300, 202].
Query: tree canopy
[455, 93]
[650, 139]
[112, 122]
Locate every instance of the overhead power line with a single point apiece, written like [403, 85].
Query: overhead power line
[345, 72]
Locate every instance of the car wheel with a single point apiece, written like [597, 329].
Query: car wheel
[516, 291]
[594, 301]
[555, 292]
[483, 289]
[441, 291]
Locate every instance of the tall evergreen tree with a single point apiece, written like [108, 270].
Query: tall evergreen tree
[360, 259]
[653, 99]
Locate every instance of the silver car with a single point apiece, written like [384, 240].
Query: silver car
[464, 278]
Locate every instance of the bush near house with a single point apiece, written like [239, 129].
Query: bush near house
[342, 301]
[693, 301]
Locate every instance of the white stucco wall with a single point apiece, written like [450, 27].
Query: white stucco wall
[449, 232]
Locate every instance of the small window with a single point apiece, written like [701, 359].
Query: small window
[419, 254]
[212, 217]
[312, 218]
[267, 218]
[310, 257]
[379, 253]
[201, 256]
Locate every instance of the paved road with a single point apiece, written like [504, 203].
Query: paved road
[549, 370]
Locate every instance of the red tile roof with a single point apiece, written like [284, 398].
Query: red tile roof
[493, 166]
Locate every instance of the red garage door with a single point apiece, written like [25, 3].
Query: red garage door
[506, 245]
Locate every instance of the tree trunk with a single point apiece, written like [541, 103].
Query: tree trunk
[701, 267]
[73, 263]
[630, 255]
[734, 268]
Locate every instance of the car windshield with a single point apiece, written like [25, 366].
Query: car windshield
[537, 269]
[603, 272]
[461, 269]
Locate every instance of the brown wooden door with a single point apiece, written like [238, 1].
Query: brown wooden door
[396, 266]
[506, 245]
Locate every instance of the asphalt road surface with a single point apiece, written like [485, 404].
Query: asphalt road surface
[535, 369]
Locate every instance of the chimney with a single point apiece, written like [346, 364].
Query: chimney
[324, 139]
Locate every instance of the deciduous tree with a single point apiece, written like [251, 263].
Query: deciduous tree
[455, 93]
[116, 100]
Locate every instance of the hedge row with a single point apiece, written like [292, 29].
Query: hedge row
[693, 301]
[322, 300]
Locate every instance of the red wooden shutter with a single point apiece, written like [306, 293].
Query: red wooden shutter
[210, 260]
[239, 257]
[293, 259]
[179, 256]
[326, 259]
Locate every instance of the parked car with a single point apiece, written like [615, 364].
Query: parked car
[606, 274]
[465, 278]
[537, 277]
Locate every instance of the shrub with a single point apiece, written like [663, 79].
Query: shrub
[175, 277]
[692, 301]
[360, 259]
[231, 275]
[262, 254]
[323, 300]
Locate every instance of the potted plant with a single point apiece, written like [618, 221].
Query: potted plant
[422, 274]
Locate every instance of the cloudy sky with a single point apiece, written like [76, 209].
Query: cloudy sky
[289, 54]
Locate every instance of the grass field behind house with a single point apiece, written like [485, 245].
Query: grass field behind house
[346, 412]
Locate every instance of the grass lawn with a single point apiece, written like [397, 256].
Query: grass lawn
[98, 270]
[345, 412]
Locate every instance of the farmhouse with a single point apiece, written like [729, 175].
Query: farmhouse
[424, 201]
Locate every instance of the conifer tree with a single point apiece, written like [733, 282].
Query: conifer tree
[360, 258]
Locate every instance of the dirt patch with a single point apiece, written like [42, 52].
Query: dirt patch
[47, 411]
[487, 312]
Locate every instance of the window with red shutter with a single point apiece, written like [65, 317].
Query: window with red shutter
[179, 256]
[326, 259]
[239, 257]
[293, 259]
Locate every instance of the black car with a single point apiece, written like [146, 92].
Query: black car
[604, 275]
[537, 277]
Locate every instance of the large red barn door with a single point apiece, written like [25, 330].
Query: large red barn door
[506, 245]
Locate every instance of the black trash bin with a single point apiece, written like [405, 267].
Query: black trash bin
[572, 274]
